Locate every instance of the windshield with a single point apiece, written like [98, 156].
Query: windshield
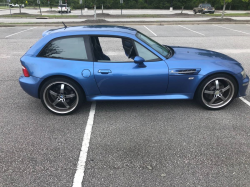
[206, 5]
[156, 46]
[62, 5]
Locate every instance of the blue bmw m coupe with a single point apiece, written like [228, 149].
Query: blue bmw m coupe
[72, 64]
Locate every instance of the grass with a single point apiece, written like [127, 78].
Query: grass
[35, 16]
[230, 15]
[4, 7]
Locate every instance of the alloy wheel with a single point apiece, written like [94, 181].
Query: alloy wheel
[218, 92]
[60, 97]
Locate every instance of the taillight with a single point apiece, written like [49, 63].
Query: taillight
[25, 72]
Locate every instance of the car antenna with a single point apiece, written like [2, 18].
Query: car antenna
[65, 26]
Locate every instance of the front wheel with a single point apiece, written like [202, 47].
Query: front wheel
[217, 91]
[61, 96]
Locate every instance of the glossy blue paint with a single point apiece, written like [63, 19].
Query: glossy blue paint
[127, 80]
[139, 97]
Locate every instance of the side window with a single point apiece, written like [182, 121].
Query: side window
[66, 48]
[145, 53]
[112, 49]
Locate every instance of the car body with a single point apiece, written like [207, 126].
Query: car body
[64, 8]
[16, 5]
[150, 71]
[204, 8]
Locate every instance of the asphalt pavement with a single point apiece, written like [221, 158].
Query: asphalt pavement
[133, 143]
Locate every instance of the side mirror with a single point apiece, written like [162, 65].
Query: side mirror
[140, 61]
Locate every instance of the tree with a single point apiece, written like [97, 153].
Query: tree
[183, 3]
[224, 3]
[19, 2]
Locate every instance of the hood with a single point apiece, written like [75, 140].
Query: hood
[186, 53]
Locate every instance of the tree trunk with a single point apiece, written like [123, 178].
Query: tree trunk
[224, 7]
[182, 9]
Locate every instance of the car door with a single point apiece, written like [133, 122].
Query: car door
[116, 73]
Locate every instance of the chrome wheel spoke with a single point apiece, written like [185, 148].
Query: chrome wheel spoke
[226, 88]
[212, 101]
[53, 93]
[208, 92]
[65, 104]
[223, 98]
[55, 102]
[62, 88]
[217, 84]
[70, 95]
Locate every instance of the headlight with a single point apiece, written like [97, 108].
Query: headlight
[243, 73]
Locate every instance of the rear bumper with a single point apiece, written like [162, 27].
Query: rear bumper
[243, 87]
[63, 10]
[30, 85]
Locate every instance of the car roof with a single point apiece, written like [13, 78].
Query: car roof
[90, 28]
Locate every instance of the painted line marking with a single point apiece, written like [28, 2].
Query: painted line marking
[231, 29]
[191, 30]
[84, 150]
[150, 30]
[19, 32]
[245, 101]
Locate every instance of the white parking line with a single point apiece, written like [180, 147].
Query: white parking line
[150, 30]
[191, 30]
[245, 101]
[19, 32]
[231, 29]
[84, 150]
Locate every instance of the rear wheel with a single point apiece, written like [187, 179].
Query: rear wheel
[217, 91]
[194, 12]
[61, 96]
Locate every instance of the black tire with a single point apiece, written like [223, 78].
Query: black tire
[217, 91]
[61, 96]
[194, 12]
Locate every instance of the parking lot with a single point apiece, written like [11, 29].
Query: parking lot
[132, 143]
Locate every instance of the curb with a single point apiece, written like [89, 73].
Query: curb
[122, 23]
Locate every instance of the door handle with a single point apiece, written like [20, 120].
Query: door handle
[104, 71]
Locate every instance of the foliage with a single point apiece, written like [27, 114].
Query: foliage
[145, 4]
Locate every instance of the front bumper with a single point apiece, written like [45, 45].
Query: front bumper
[208, 11]
[243, 87]
[30, 85]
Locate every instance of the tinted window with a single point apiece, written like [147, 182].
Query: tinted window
[62, 5]
[66, 48]
[145, 53]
